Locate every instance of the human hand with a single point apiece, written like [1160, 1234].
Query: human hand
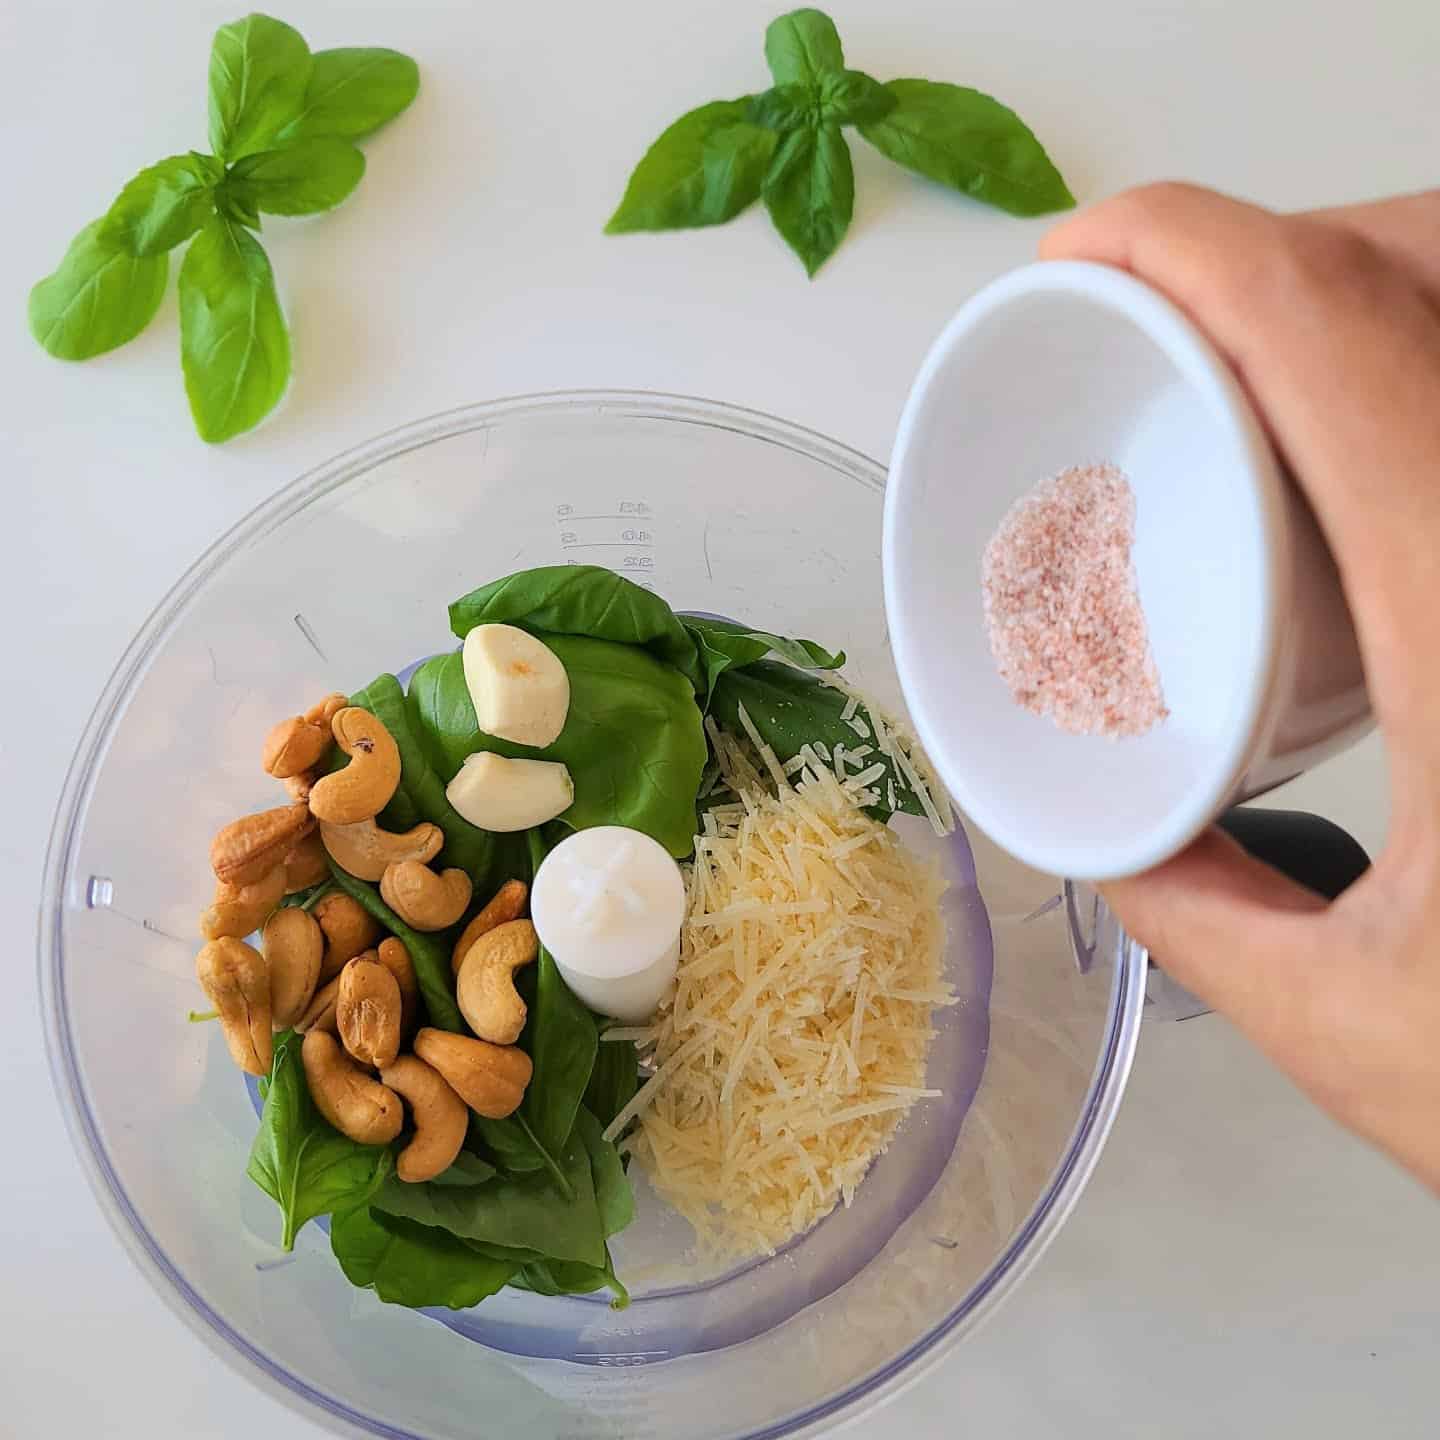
[1332, 322]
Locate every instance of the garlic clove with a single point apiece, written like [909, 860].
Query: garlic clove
[518, 686]
[508, 795]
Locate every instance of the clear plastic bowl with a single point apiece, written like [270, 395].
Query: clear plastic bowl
[348, 572]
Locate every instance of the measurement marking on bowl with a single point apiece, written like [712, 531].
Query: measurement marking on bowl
[628, 527]
[303, 626]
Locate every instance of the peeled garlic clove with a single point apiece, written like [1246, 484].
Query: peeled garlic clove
[507, 795]
[518, 685]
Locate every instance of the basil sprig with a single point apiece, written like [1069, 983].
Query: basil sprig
[787, 146]
[282, 126]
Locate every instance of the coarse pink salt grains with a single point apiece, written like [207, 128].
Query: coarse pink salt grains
[1065, 624]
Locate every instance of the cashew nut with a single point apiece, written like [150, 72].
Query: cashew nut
[248, 849]
[485, 988]
[396, 959]
[236, 910]
[366, 851]
[320, 1012]
[367, 1011]
[292, 944]
[306, 864]
[298, 787]
[292, 746]
[348, 929]
[508, 903]
[423, 899]
[440, 1117]
[236, 979]
[363, 788]
[355, 1104]
[322, 712]
[490, 1079]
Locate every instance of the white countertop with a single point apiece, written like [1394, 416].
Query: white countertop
[1238, 1265]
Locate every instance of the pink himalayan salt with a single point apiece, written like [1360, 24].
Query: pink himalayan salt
[1061, 607]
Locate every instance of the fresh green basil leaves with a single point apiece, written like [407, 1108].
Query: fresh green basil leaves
[969, 142]
[99, 297]
[787, 146]
[234, 344]
[281, 125]
[298, 1160]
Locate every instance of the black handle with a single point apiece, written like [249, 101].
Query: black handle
[1311, 850]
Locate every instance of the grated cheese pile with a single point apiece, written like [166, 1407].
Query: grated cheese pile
[796, 1035]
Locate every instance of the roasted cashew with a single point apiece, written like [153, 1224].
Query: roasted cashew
[237, 981]
[490, 1079]
[320, 1012]
[423, 899]
[248, 849]
[322, 712]
[237, 910]
[367, 1011]
[393, 955]
[292, 746]
[348, 929]
[298, 787]
[508, 903]
[440, 1117]
[292, 944]
[485, 988]
[363, 788]
[355, 1104]
[306, 864]
[366, 851]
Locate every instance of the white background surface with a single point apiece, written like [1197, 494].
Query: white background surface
[1238, 1266]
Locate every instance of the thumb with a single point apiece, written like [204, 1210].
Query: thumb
[1226, 926]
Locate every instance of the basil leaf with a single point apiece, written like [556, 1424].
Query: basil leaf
[810, 192]
[613, 1081]
[298, 1160]
[421, 793]
[511, 1148]
[234, 347]
[560, 1038]
[566, 1277]
[259, 71]
[467, 1169]
[427, 955]
[785, 106]
[790, 708]
[299, 179]
[578, 600]
[526, 1212]
[723, 644]
[163, 205]
[802, 46]
[97, 298]
[633, 741]
[236, 207]
[354, 91]
[970, 142]
[409, 1264]
[851, 97]
[613, 1196]
[703, 170]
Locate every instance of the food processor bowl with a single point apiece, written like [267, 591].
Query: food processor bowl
[347, 572]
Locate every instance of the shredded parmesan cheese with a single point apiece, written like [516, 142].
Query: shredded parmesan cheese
[796, 1035]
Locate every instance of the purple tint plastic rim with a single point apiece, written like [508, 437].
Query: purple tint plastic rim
[1050, 1212]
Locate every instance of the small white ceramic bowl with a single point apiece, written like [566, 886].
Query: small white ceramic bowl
[1060, 364]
